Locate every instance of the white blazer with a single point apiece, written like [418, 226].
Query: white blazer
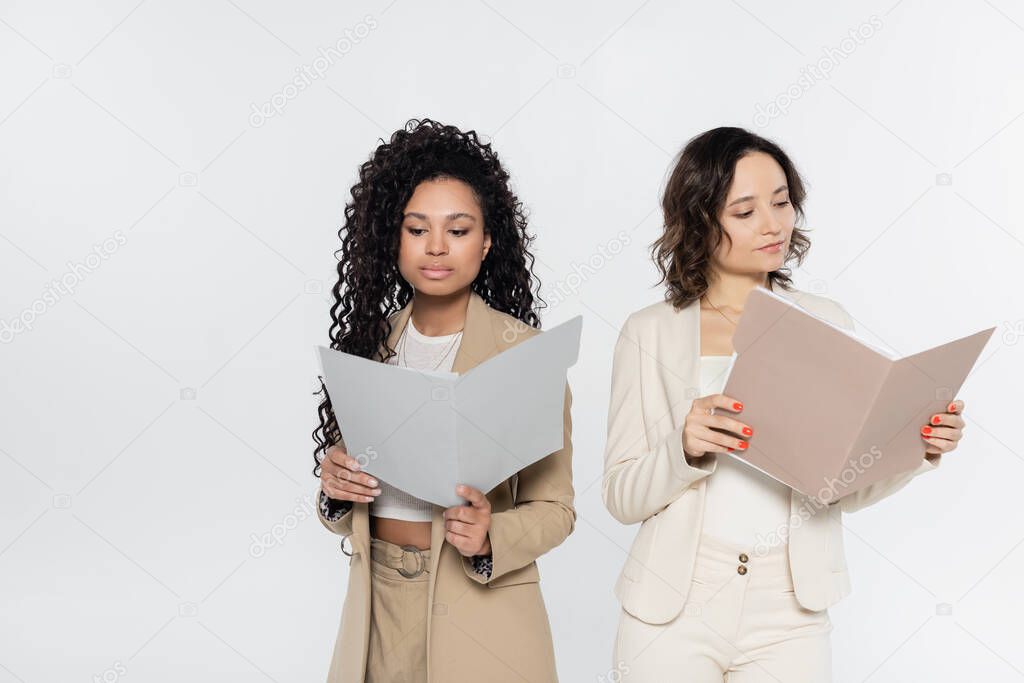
[655, 378]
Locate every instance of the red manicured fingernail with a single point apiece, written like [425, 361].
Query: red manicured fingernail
[936, 419]
[748, 431]
[951, 408]
[737, 406]
[743, 444]
[926, 430]
[730, 450]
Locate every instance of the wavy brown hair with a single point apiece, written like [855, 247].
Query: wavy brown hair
[695, 196]
[370, 288]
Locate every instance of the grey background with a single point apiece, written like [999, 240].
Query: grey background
[156, 419]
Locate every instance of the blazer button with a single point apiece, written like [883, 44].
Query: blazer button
[742, 569]
[743, 557]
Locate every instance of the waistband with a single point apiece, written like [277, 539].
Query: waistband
[719, 555]
[408, 560]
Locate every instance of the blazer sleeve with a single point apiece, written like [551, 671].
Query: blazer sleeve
[543, 515]
[870, 495]
[641, 478]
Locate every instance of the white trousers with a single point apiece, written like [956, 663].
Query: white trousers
[741, 623]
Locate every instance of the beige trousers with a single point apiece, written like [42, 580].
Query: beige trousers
[741, 623]
[399, 579]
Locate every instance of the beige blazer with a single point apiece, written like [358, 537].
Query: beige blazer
[655, 378]
[477, 629]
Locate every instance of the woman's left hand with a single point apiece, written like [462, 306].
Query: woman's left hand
[466, 526]
[944, 430]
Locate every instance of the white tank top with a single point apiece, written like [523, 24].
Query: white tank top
[415, 350]
[742, 505]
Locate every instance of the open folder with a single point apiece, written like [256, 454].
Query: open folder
[424, 432]
[831, 413]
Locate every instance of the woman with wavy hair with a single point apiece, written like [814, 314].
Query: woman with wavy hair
[435, 273]
[731, 573]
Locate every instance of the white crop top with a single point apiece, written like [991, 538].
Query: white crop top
[742, 505]
[415, 350]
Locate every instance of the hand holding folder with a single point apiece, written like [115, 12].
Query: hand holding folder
[424, 432]
[833, 414]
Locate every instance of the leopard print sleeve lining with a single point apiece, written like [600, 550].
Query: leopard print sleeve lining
[482, 565]
[333, 509]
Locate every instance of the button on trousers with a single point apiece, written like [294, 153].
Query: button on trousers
[741, 623]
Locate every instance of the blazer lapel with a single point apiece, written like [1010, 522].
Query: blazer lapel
[478, 339]
[398, 323]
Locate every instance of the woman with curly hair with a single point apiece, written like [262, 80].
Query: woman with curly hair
[435, 273]
[731, 573]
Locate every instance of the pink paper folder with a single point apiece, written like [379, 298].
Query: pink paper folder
[831, 412]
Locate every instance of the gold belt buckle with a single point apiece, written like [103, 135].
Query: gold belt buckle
[420, 564]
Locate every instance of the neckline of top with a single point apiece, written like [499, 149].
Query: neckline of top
[419, 336]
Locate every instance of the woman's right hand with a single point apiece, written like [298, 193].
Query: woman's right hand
[699, 435]
[341, 479]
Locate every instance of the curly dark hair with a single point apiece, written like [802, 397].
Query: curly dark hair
[694, 197]
[370, 287]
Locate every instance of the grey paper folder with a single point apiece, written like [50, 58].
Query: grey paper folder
[425, 432]
[832, 414]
